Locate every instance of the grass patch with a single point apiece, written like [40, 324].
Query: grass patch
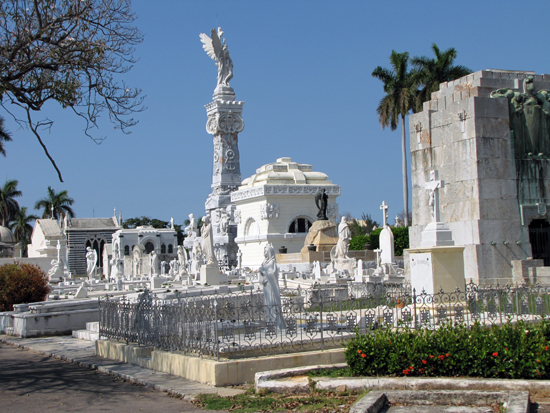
[323, 402]
[333, 373]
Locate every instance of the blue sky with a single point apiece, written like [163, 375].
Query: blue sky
[304, 70]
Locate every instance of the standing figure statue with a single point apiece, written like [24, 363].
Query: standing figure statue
[208, 242]
[269, 277]
[137, 261]
[191, 229]
[155, 263]
[344, 238]
[216, 48]
[182, 258]
[321, 200]
[91, 261]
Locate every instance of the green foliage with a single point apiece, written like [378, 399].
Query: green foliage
[4, 137]
[358, 242]
[512, 350]
[21, 283]
[374, 238]
[142, 221]
[58, 203]
[400, 240]
[8, 205]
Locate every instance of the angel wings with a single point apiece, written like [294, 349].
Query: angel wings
[216, 48]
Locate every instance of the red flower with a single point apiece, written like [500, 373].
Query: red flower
[406, 372]
[546, 348]
[495, 354]
[431, 357]
[411, 368]
[538, 361]
[363, 355]
[424, 361]
[422, 371]
[358, 351]
[447, 355]
[440, 357]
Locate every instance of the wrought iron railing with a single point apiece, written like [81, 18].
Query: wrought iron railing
[241, 324]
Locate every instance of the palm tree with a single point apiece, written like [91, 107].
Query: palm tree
[8, 205]
[21, 227]
[4, 137]
[400, 90]
[56, 204]
[432, 72]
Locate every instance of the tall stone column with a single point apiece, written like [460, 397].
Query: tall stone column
[224, 123]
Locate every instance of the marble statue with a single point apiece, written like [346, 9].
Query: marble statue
[207, 242]
[223, 221]
[216, 48]
[115, 267]
[344, 238]
[321, 200]
[137, 261]
[91, 260]
[191, 229]
[171, 223]
[269, 277]
[173, 267]
[155, 263]
[182, 259]
[197, 257]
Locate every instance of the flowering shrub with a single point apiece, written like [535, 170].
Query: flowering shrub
[21, 283]
[512, 350]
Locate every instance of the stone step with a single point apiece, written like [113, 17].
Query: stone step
[93, 326]
[86, 335]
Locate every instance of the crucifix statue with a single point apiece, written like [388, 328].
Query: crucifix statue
[384, 207]
[433, 185]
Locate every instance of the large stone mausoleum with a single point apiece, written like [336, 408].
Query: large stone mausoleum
[488, 137]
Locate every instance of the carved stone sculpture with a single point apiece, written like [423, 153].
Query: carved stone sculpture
[321, 200]
[191, 229]
[216, 48]
[91, 260]
[208, 242]
[269, 277]
[155, 263]
[344, 238]
[182, 258]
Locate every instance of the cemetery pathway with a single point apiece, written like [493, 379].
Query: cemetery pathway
[31, 382]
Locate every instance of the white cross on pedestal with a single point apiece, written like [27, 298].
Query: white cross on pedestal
[378, 251]
[433, 185]
[384, 207]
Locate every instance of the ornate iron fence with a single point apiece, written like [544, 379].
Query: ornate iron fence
[241, 324]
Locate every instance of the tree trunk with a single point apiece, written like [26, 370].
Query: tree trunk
[405, 177]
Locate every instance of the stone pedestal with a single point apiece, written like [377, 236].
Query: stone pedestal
[210, 274]
[436, 234]
[437, 268]
[322, 234]
[156, 282]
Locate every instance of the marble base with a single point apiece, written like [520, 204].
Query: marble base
[437, 268]
[210, 274]
[436, 234]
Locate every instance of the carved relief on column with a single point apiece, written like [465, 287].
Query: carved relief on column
[224, 122]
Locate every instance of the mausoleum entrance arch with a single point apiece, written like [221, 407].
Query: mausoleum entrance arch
[539, 237]
[149, 245]
[97, 243]
[300, 224]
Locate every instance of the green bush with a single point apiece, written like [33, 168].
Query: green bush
[358, 242]
[512, 350]
[374, 238]
[400, 240]
[21, 283]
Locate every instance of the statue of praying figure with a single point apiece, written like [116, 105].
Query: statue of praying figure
[269, 277]
[207, 242]
[344, 238]
[91, 260]
[321, 200]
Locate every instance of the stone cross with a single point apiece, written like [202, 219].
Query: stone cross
[384, 207]
[433, 185]
[58, 250]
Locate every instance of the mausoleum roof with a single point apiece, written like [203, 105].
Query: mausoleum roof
[92, 223]
[50, 227]
[6, 236]
[285, 172]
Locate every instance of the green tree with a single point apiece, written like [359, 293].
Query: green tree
[400, 90]
[72, 52]
[22, 228]
[8, 204]
[430, 73]
[142, 221]
[56, 204]
[4, 136]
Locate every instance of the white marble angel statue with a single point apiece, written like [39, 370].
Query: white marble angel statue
[269, 277]
[216, 48]
[91, 260]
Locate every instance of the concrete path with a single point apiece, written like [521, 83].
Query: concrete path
[82, 353]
